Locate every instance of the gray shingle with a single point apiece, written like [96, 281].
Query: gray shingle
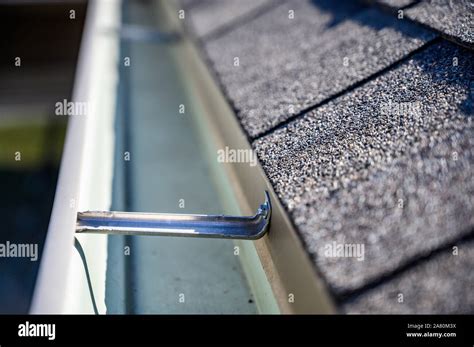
[287, 65]
[453, 18]
[401, 186]
[207, 16]
[441, 285]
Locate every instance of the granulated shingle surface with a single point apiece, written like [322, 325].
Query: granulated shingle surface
[207, 16]
[454, 18]
[387, 165]
[287, 65]
[426, 288]
[400, 184]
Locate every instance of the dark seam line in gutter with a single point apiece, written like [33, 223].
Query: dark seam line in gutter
[348, 89]
[128, 199]
[241, 20]
[124, 83]
[125, 92]
[392, 275]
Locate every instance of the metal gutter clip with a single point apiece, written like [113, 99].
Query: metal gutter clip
[163, 224]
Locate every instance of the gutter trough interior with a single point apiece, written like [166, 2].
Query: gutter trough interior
[161, 167]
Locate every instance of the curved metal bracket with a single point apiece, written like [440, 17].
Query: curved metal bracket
[192, 225]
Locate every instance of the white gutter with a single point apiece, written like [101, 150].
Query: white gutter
[85, 176]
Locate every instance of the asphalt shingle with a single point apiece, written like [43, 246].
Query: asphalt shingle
[208, 16]
[436, 286]
[388, 166]
[454, 19]
[287, 65]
